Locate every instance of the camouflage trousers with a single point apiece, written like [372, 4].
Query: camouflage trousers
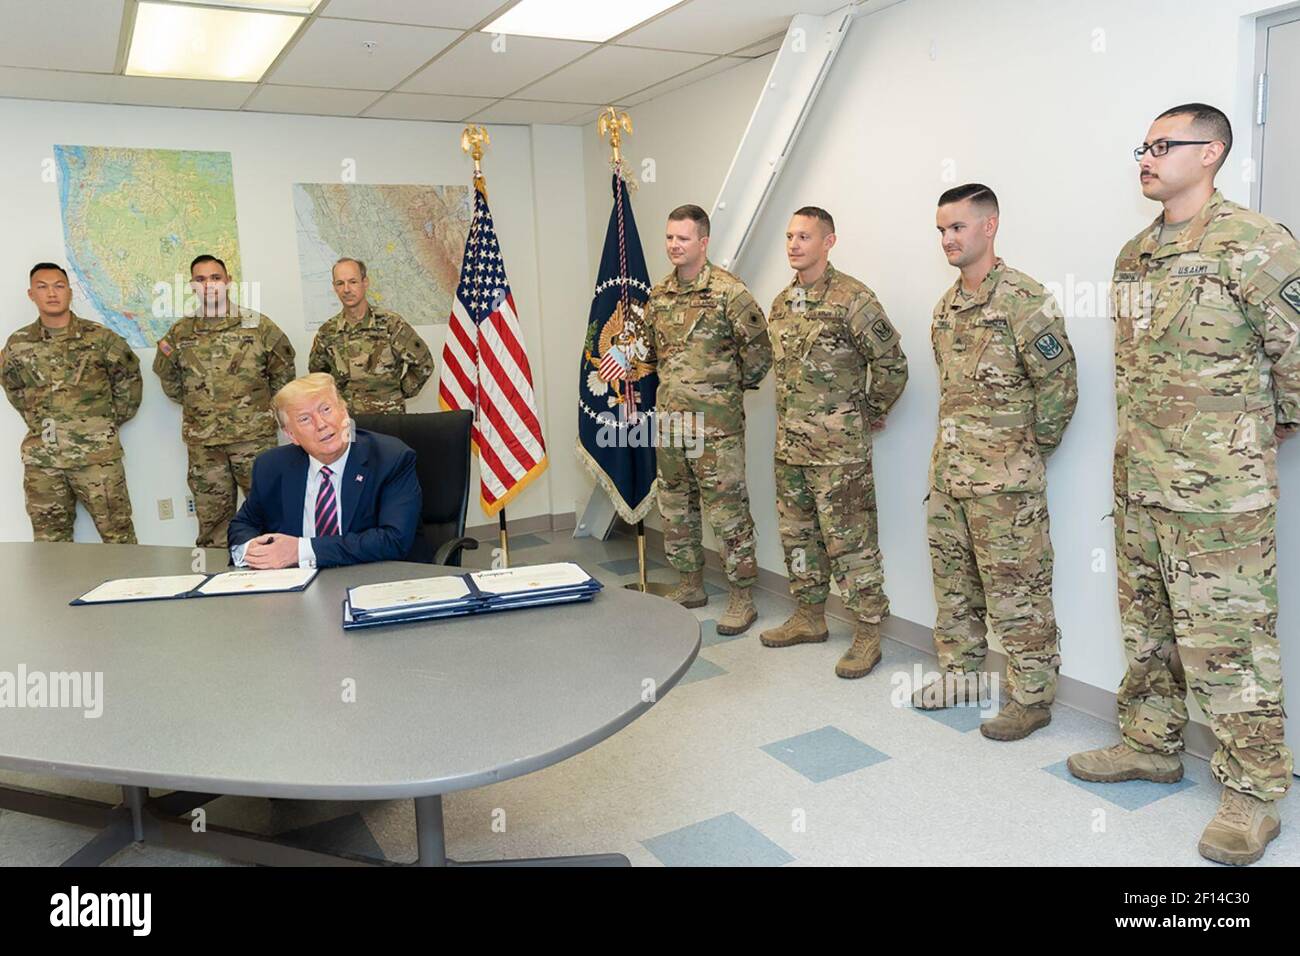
[53, 493]
[714, 481]
[375, 404]
[827, 518]
[991, 558]
[217, 474]
[1198, 608]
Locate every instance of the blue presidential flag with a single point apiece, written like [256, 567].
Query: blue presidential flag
[616, 385]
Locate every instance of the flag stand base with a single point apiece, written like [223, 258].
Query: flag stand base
[660, 588]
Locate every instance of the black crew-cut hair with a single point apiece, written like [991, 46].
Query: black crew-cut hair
[41, 266]
[977, 193]
[1212, 120]
[198, 260]
[818, 213]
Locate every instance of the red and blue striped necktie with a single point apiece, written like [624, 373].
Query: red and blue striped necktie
[327, 506]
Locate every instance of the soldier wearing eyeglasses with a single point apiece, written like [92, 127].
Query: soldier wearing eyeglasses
[1207, 384]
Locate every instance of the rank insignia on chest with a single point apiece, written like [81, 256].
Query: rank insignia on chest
[1048, 346]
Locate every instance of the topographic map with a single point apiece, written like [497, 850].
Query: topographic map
[132, 221]
[411, 238]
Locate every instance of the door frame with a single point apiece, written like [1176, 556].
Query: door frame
[1262, 25]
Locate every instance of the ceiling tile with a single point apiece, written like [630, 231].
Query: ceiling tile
[721, 26]
[198, 94]
[311, 99]
[721, 64]
[421, 106]
[56, 85]
[474, 67]
[592, 114]
[61, 34]
[430, 13]
[530, 111]
[331, 54]
[763, 47]
[612, 72]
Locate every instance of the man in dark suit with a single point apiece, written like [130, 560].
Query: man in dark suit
[330, 498]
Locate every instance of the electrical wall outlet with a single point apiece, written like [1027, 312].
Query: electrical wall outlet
[165, 512]
[189, 505]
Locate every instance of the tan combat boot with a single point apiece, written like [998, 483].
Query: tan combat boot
[863, 654]
[740, 612]
[1241, 829]
[1016, 720]
[946, 690]
[1121, 762]
[807, 625]
[690, 590]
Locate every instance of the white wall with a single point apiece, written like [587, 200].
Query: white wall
[1041, 100]
[269, 154]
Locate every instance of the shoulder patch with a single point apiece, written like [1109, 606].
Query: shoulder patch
[882, 330]
[165, 347]
[1048, 346]
[1290, 294]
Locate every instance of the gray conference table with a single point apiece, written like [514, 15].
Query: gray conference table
[247, 696]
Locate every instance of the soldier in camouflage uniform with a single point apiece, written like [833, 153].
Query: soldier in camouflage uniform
[839, 370]
[376, 358]
[1207, 383]
[75, 383]
[1008, 387]
[223, 366]
[709, 338]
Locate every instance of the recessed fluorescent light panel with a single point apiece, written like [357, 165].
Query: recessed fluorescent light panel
[593, 20]
[274, 6]
[202, 43]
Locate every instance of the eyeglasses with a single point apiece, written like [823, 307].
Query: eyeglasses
[1161, 146]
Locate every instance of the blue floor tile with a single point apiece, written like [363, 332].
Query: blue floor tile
[712, 589]
[963, 719]
[629, 565]
[725, 840]
[709, 634]
[701, 670]
[520, 541]
[1129, 795]
[824, 754]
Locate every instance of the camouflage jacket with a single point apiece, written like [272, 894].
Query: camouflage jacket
[224, 370]
[839, 367]
[1008, 385]
[709, 340]
[1206, 360]
[378, 361]
[74, 390]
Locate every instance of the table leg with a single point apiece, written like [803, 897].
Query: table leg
[134, 797]
[429, 835]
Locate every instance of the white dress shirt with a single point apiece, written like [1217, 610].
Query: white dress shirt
[306, 554]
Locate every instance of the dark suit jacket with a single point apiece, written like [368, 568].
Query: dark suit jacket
[380, 499]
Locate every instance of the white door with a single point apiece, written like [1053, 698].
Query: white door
[1277, 144]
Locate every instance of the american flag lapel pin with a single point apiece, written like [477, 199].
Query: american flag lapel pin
[361, 477]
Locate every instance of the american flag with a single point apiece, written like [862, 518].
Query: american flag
[485, 368]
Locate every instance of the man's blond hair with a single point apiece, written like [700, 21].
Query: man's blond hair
[317, 383]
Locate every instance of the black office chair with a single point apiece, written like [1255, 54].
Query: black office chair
[441, 441]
